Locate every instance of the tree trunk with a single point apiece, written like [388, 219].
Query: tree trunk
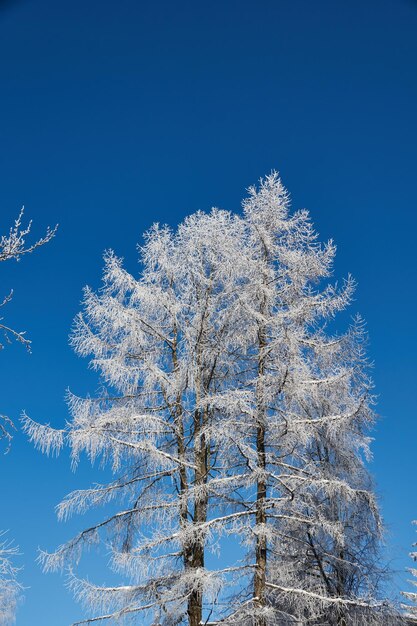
[195, 602]
[193, 555]
[259, 590]
[261, 548]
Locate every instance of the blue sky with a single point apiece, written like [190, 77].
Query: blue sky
[118, 114]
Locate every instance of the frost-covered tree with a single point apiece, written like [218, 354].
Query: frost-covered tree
[223, 392]
[12, 246]
[411, 609]
[9, 586]
[341, 558]
[163, 344]
[306, 395]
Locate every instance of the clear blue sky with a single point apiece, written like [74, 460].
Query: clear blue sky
[118, 114]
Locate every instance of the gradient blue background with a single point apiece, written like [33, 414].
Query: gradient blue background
[118, 114]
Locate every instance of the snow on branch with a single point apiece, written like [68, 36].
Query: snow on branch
[45, 438]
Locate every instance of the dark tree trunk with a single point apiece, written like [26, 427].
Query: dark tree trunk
[259, 590]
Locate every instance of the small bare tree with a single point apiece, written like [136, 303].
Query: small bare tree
[13, 246]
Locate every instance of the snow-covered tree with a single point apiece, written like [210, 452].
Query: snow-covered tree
[305, 393]
[9, 586]
[12, 246]
[163, 345]
[341, 558]
[228, 409]
[411, 609]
